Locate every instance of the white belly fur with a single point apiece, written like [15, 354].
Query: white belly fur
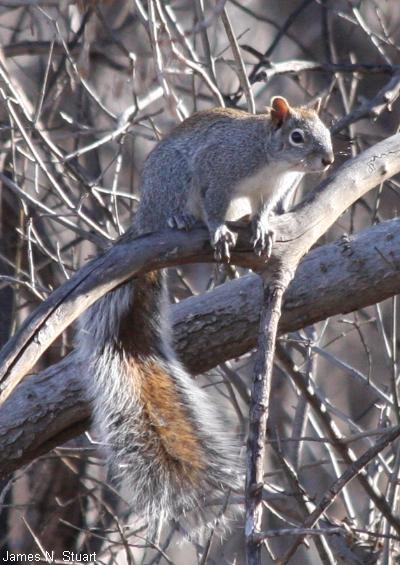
[270, 182]
[239, 207]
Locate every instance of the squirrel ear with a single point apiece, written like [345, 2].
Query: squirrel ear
[279, 110]
[315, 105]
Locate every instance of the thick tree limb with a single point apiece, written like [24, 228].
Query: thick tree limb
[46, 410]
[49, 407]
[297, 232]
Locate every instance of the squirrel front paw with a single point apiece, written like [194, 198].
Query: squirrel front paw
[263, 238]
[182, 221]
[222, 239]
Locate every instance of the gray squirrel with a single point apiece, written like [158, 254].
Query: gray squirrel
[165, 438]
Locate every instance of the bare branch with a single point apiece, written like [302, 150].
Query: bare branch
[203, 341]
[338, 485]
[297, 231]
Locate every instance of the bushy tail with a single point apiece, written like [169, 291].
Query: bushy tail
[165, 437]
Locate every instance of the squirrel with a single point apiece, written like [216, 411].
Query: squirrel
[165, 437]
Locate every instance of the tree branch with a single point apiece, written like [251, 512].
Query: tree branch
[312, 219]
[50, 407]
[297, 232]
[331, 494]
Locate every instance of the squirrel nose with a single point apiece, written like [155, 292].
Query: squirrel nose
[328, 159]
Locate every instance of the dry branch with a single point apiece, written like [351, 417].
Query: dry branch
[259, 411]
[349, 474]
[50, 407]
[307, 224]
[76, 158]
[297, 232]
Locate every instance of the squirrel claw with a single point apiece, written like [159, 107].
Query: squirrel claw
[182, 222]
[262, 240]
[222, 240]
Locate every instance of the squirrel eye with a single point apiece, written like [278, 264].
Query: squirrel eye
[296, 137]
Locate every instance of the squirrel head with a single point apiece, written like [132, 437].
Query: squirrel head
[301, 136]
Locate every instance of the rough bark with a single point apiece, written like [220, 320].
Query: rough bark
[49, 407]
[296, 232]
